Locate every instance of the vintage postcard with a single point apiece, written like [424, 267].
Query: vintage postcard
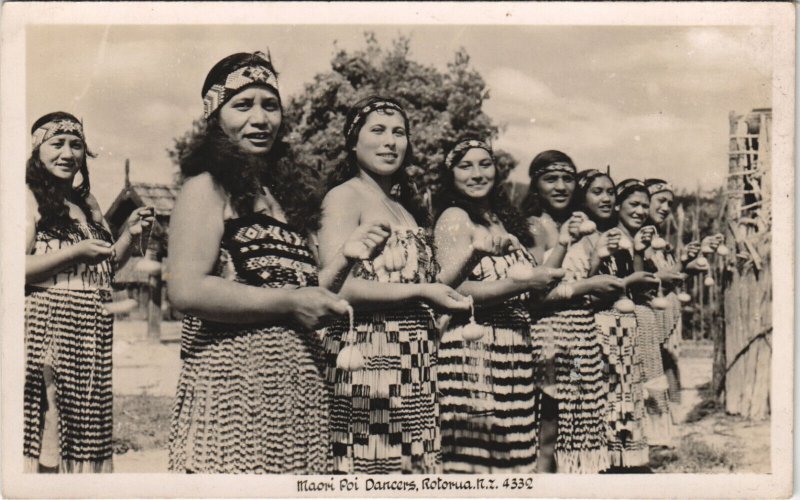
[397, 249]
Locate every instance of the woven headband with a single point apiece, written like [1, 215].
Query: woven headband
[625, 186]
[555, 167]
[54, 128]
[375, 106]
[660, 186]
[463, 146]
[588, 176]
[242, 77]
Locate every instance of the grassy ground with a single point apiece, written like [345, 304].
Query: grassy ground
[710, 442]
[713, 442]
[141, 423]
[145, 377]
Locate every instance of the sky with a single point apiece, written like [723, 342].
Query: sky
[651, 101]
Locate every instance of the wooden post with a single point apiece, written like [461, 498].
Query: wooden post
[154, 285]
[154, 308]
[700, 285]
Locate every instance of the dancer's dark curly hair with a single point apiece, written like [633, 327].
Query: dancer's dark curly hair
[48, 190]
[499, 201]
[409, 196]
[242, 175]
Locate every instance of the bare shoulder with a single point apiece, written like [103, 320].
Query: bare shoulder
[455, 222]
[343, 194]
[202, 188]
[342, 203]
[91, 202]
[454, 215]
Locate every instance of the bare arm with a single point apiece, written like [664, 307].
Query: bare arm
[454, 250]
[457, 256]
[41, 267]
[363, 243]
[139, 220]
[193, 256]
[340, 218]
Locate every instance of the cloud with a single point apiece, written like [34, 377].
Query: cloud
[596, 133]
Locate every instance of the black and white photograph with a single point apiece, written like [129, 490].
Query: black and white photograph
[400, 249]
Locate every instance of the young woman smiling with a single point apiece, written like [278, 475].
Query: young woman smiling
[633, 209]
[251, 397]
[625, 412]
[568, 344]
[69, 267]
[490, 419]
[385, 413]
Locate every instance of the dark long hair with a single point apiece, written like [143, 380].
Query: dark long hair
[584, 182]
[49, 191]
[499, 203]
[241, 174]
[408, 195]
[532, 203]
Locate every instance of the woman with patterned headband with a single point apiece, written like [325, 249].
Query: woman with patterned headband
[490, 420]
[69, 267]
[567, 343]
[628, 450]
[251, 395]
[385, 411]
[633, 210]
[662, 261]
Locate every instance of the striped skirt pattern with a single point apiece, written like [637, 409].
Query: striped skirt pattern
[250, 401]
[385, 416]
[670, 322]
[625, 413]
[569, 342]
[658, 421]
[71, 332]
[489, 403]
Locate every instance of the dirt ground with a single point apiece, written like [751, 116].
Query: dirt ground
[146, 375]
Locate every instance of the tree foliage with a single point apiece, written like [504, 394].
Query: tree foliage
[443, 107]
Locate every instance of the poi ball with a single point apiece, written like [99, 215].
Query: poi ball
[702, 261]
[658, 243]
[639, 246]
[625, 306]
[521, 272]
[708, 281]
[659, 303]
[587, 227]
[350, 359]
[472, 331]
[684, 297]
[723, 250]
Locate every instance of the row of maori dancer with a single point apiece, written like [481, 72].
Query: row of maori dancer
[359, 332]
